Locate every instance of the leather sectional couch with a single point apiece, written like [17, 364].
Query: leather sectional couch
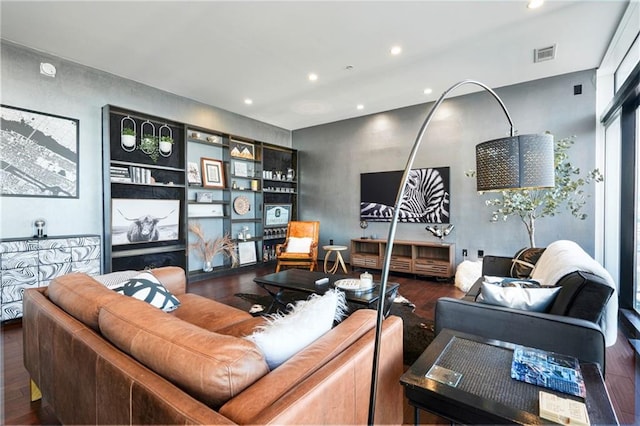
[99, 357]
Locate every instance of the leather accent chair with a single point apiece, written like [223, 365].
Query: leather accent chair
[288, 254]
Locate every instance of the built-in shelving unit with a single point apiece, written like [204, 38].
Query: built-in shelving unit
[416, 257]
[144, 191]
[222, 182]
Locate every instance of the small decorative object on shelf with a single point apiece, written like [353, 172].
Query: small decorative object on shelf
[440, 232]
[291, 174]
[363, 226]
[40, 224]
[241, 205]
[204, 197]
[207, 248]
[193, 174]
[128, 134]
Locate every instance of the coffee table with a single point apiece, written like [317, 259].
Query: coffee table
[486, 393]
[305, 281]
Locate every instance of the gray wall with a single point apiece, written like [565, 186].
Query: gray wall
[334, 155]
[80, 92]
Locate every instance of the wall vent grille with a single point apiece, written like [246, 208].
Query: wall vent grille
[544, 54]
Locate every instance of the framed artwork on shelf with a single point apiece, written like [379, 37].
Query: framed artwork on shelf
[41, 154]
[243, 150]
[193, 174]
[212, 173]
[204, 197]
[136, 221]
[240, 169]
[276, 215]
[247, 252]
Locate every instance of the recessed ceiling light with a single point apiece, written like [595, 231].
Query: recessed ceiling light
[396, 50]
[360, 106]
[428, 91]
[534, 4]
[313, 76]
[248, 101]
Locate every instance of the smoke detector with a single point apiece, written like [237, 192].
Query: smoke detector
[544, 54]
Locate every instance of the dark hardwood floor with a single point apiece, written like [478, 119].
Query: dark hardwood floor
[621, 380]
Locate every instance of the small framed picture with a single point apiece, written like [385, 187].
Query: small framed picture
[276, 215]
[204, 197]
[193, 174]
[242, 150]
[212, 173]
[247, 252]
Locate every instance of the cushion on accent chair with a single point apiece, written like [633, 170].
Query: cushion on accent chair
[299, 244]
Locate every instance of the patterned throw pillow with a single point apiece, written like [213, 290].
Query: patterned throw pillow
[524, 261]
[146, 287]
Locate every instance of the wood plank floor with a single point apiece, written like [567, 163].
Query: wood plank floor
[622, 372]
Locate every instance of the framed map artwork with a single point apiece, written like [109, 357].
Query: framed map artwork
[39, 154]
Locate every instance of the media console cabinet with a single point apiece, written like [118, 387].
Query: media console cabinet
[413, 257]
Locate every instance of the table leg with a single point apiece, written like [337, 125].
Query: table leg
[416, 416]
[341, 260]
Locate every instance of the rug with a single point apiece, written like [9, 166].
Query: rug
[417, 331]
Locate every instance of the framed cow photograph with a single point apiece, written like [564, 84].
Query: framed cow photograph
[138, 221]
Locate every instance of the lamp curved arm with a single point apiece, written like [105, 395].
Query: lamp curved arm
[394, 223]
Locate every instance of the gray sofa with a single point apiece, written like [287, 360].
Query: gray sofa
[576, 323]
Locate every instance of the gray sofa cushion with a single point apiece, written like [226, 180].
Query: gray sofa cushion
[583, 295]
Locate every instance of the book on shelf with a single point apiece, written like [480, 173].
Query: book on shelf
[548, 369]
[119, 174]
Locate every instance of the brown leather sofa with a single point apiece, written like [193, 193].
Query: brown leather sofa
[98, 357]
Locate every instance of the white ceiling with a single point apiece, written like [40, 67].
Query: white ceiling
[220, 53]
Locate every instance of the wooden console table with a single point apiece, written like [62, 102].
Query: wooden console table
[414, 257]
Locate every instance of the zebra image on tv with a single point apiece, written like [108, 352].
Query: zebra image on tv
[425, 200]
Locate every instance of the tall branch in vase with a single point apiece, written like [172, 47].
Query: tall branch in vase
[207, 248]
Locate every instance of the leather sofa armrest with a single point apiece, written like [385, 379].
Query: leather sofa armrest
[570, 336]
[173, 278]
[499, 266]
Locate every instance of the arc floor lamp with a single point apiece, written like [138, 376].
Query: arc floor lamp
[525, 161]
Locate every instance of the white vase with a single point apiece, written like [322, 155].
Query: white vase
[208, 266]
[165, 148]
[128, 141]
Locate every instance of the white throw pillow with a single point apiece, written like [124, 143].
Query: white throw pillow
[299, 245]
[528, 299]
[286, 334]
[146, 287]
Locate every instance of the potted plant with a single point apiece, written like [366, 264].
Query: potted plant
[207, 248]
[128, 138]
[531, 204]
[149, 145]
[165, 145]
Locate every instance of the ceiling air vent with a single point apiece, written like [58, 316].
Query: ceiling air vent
[544, 54]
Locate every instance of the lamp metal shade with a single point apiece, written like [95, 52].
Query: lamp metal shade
[525, 161]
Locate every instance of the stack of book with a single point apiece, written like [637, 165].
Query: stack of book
[120, 174]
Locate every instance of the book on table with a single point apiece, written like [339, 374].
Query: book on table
[548, 369]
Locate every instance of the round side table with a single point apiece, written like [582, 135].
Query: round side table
[339, 261]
